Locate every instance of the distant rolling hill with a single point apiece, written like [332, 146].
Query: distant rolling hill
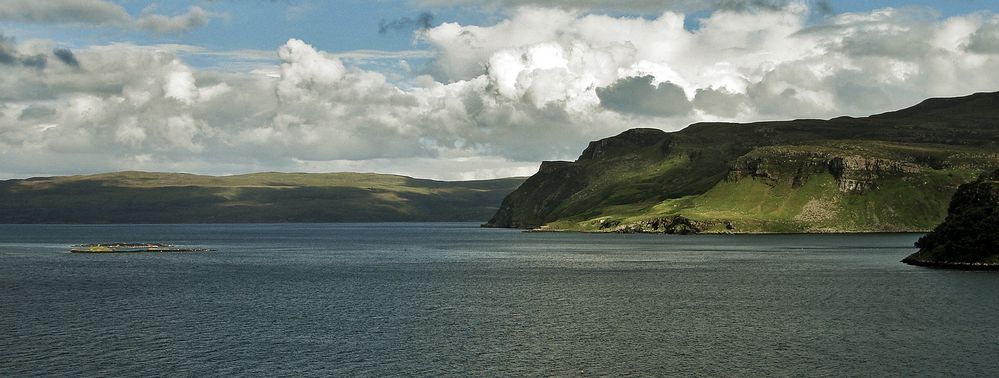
[145, 197]
[889, 172]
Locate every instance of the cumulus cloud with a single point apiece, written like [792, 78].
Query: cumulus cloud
[100, 13]
[496, 100]
[306, 71]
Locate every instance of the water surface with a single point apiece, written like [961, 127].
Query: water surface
[453, 299]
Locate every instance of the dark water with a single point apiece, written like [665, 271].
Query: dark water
[453, 299]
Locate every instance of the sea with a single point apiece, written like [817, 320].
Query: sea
[453, 299]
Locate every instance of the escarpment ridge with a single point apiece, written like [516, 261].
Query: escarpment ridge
[884, 173]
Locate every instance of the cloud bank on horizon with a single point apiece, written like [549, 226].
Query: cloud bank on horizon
[492, 100]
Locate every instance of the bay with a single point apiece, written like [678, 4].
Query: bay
[433, 299]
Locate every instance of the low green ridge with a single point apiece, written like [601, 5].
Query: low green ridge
[149, 197]
[885, 173]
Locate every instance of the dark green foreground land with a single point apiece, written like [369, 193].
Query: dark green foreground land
[143, 197]
[969, 237]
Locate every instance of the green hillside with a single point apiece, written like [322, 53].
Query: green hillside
[889, 172]
[144, 197]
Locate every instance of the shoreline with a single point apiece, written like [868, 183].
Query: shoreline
[953, 265]
[539, 230]
[174, 250]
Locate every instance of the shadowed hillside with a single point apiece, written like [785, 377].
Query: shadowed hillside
[142, 197]
[889, 172]
[969, 237]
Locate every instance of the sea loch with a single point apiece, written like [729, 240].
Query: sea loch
[439, 299]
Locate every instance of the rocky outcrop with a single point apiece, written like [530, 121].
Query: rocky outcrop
[857, 174]
[664, 225]
[776, 164]
[794, 164]
[969, 237]
[622, 143]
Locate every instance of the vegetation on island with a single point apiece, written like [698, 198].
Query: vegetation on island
[889, 172]
[145, 197]
[969, 236]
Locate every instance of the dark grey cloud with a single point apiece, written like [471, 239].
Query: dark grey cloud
[10, 56]
[422, 21]
[7, 53]
[36, 112]
[66, 56]
[637, 95]
[34, 61]
[719, 102]
[985, 40]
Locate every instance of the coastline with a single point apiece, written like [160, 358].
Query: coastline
[543, 230]
[953, 265]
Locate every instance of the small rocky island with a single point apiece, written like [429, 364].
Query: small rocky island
[969, 237]
[119, 247]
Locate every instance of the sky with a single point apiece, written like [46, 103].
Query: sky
[448, 89]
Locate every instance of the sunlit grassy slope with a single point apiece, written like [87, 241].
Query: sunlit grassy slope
[817, 206]
[145, 197]
[890, 172]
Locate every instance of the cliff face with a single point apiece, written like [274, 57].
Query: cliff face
[853, 173]
[562, 187]
[554, 183]
[969, 237]
[890, 172]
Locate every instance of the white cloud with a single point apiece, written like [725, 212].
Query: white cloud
[500, 98]
[631, 5]
[194, 18]
[181, 132]
[306, 71]
[94, 12]
[180, 86]
[130, 133]
[100, 13]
